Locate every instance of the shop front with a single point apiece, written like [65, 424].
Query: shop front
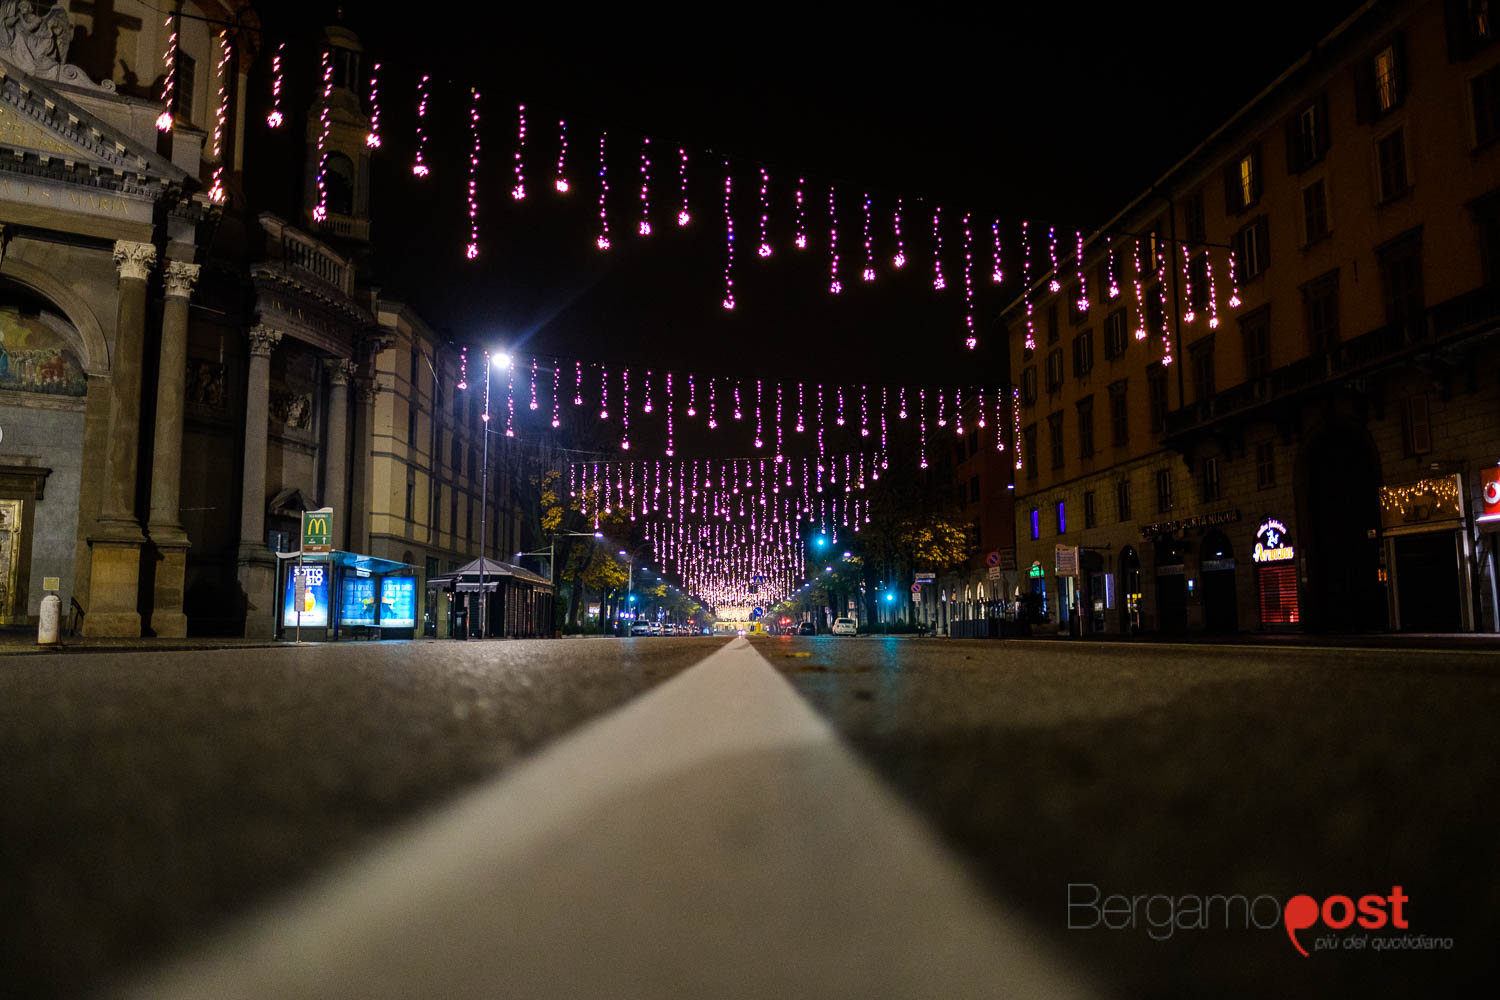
[491, 599]
[345, 595]
[1275, 559]
[1426, 555]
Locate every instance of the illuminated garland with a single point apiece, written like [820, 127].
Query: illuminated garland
[373, 139]
[221, 117]
[169, 81]
[320, 211]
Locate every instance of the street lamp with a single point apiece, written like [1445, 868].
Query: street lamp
[499, 359]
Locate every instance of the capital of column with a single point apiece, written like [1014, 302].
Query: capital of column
[180, 277]
[340, 370]
[134, 260]
[368, 389]
[262, 339]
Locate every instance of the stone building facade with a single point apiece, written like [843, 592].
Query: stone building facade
[1318, 460]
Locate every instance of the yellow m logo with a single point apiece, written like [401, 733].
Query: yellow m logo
[317, 526]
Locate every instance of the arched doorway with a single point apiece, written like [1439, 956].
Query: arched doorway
[1171, 586]
[1220, 611]
[1340, 535]
[1130, 590]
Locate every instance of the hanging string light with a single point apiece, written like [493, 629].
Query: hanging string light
[419, 168]
[473, 249]
[556, 392]
[275, 118]
[1015, 409]
[578, 383]
[683, 215]
[801, 412]
[1053, 285]
[692, 411]
[728, 242]
[646, 406]
[533, 384]
[373, 138]
[463, 368]
[510, 400]
[712, 396]
[221, 115]
[1161, 293]
[942, 421]
[937, 250]
[997, 274]
[602, 241]
[169, 81]
[971, 341]
[1187, 286]
[759, 442]
[869, 272]
[670, 413]
[1213, 296]
[645, 224]
[519, 191]
[603, 393]
[765, 244]
[1026, 284]
[980, 408]
[625, 408]
[1140, 298]
[958, 411]
[320, 211]
[864, 411]
[561, 183]
[900, 259]
[839, 416]
[1114, 285]
[922, 419]
[1083, 283]
[901, 413]
[834, 285]
[801, 218]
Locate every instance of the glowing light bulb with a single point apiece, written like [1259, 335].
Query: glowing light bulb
[373, 139]
[1213, 296]
[1083, 284]
[900, 259]
[578, 385]
[1234, 283]
[1140, 298]
[1187, 286]
[683, 215]
[419, 168]
[1114, 286]
[561, 182]
[221, 115]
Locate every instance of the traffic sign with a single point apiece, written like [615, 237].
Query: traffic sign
[755, 613]
[916, 588]
[317, 530]
[916, 595]
[993, 559]
[924, 576]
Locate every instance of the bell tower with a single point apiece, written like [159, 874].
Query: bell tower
[336, 185]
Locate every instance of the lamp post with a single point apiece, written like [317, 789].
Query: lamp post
[501, 360]
[629, 577]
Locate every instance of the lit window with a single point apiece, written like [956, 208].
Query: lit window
[1385, 78]
[1247, 180]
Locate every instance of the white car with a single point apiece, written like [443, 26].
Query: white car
[845, 626]
[640, 628]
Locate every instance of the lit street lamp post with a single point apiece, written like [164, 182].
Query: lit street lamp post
[502, 360]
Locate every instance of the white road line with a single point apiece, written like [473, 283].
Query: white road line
[713, 838]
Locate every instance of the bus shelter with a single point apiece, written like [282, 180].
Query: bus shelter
[501, 598]
[348, 596]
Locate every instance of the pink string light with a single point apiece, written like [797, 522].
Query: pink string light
[1053, 285]
[869, 272]
[972, 340]
[1015, 409]
[561, 182]
[644, 228]
[373, 138]
[834, 285]
[1026, 282]
[419, 168]
[801, 219]
[533, 384]
[169, 81]
[1187, 286]
[765, 243]
[603, 393]
[1213, 296]
[472, 250]
[728, 242]
[519, 191]
[1083, 282]
[1114, 285]
[320, 211]
[1140, 297]
[997, 274]
[683, 215]
[602, 240]
[937, 250]
[578, 383]
[275, 118]
[900, 259]
[1234, 288]
[221, 115]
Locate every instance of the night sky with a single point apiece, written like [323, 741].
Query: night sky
[1057, 113]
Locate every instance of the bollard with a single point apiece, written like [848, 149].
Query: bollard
[46, 628]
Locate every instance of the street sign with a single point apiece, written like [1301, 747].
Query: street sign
[1036, 571]
[1067, 560]
[916, 588]
[300, 590]
[317, 530]
[924, 576]
[1008, 558]
[916, 595]
[994, 573]
[755, 613]
[993, 559]
[851, 605]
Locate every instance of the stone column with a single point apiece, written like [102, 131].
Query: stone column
[165, 526]
[364, 466]
[335, 467]
[257, 566]
[115, 545]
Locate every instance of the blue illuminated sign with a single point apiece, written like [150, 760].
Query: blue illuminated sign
[314, 602]
[357, 606]
[398, 602]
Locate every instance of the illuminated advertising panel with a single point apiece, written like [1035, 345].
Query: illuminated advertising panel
[314, 601]
[398, 602]
[357, 606]
[1489, 495]
[1271, 543]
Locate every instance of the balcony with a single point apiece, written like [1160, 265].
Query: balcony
[297, 254]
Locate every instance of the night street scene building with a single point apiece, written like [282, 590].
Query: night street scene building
[992, 502]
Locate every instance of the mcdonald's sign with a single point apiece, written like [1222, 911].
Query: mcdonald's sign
[317, 530]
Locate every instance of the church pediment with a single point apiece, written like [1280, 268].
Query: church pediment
[38, 121]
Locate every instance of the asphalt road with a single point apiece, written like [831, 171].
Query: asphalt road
[150, 798]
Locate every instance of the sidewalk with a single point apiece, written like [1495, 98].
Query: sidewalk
[1478, 641]
[19, 641]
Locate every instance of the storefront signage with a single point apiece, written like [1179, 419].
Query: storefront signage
[1036, 571]
[1271, 543]
[1489, 493]
[1201, 521]
[314, 597]
[1067, 560]
[317, 530]
[398, 602]
[357, 602]
[1426, 501]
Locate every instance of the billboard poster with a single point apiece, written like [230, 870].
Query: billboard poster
[398, 602]
[357, 606]
[314, 601]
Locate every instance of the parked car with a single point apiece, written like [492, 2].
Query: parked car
[640, 628]
[807, 628]
[845, 626]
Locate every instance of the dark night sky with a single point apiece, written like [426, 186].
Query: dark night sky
[1054, 112]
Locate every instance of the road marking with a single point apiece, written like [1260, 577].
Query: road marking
[712, 838]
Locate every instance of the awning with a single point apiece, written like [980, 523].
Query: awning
[467, 577]
[354, 561]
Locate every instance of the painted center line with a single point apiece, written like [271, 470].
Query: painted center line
[713, 838]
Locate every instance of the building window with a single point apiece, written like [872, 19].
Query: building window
[1192, 218]
[1054, 369]
[1210, 479]
[1242, 182]
[338, 185]
[974, 441]
[1114, 334]
[1320, 303]
[1265, 466]
[1390, 155]
[184, 87]
[437, 505]
[411, 491]
[1202, 354]
[453, 514]
[1032, 460]
[1090, 513]
[1252, 247]
[411, 422]
[1086, 427]
[1314, 212]
[1255, 331]
[1052, 333]
[411, 371]
[1484, 91]
[1163, 490]
[1028, 386]
[1036, 524]
[1122, 499]
[1119, 414]
[1198, 280]
[1062, 518]
[1487, 217]
[973, 489]
[1156, 315]
[1401, 272]
[456, 458]
[469, 519]
[1416, 425]
[1387, 86]
[1307, 136]
[1055, 436]
[1083, 354]
[1075, 314]
[1156, 394]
